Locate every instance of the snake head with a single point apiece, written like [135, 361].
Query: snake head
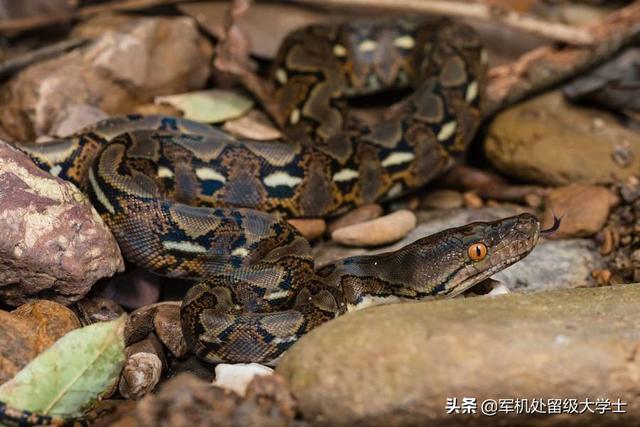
[481, 249]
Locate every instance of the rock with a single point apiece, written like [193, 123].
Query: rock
[28, 331]
[237, 377]
[377, 232]
[134, 289]
[583, 209]
[75, 119]
[311, 229]
[472, 200]
[52, 241]
[140, 375]
[167, 326]
[442, 199]
[398, 364]
[50, 321]
[549, 141]
[95, 309]
[360, 214]
[186, 401]
[552, 264]
[130, 64]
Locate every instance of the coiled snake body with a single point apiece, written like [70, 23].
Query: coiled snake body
[189, 200]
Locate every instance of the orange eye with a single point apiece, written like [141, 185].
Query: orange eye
[477, 251]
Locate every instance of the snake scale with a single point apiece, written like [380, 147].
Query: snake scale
[190, 201]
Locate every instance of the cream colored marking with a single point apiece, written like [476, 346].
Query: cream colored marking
[99, 194]
[281, 76]
[278, 340]
[404, 42]
[277, 295]
[397, 158]
[208, 174]
[164, 172]
[55, 171]
[184, 246]
[282, 178]
[339, 50]
[484, 56]
[447, 130]
[367, 46]
[472, 91]
[395, 191]
[241, 252]
[294, 118]
[370, 301]
[345, 175]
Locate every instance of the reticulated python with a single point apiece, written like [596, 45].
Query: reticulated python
[184, 199]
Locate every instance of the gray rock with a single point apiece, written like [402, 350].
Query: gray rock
[548, 141]
[398, 364]
[553, 264]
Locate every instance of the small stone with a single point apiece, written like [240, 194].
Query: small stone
[602, 276]
[607, 241]
[377, 232]
[583, 209]
[236, 377]
[472, 200]
[360, 214]
[95, 309]
[499, 289]
[169, 329]
[442, 199]
[140, 375]
[311, 229]
[50, 321]
[533, 200]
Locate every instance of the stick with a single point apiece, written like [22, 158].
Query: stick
[541, 68]
[554, 31]
[10, 67]
[32, 22]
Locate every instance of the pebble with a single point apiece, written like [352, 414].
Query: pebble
[472, 200]
[582, 208]
[442, 199]
[377, 232]
[237, 376]
[360, 214]
[311, 229]
[397, 364]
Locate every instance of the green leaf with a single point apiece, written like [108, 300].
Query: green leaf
[70, 375]
[209, 106]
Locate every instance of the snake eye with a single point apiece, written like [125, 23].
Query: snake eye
[477, 251]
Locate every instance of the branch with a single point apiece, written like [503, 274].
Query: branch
[496, 14]
[541, 68]
[32, 22]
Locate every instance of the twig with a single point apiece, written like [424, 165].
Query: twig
[547, 66]
[554, 31]
[10, 67]
[32, 22]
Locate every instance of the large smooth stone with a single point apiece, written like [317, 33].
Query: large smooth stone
[547, 140]
[398, 364]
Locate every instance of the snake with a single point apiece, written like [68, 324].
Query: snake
[188, 200]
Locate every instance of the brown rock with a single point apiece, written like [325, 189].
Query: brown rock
[52, 240]
[442, 199]
[130, 64]
[311, 229]
[549, 141]
[95, 309]
[18, 345]
[583, 209]
[169, 329]
[376, 232]
[472, 200]
[360, 214]
[140, 375]
[50, 320]
[398, 364]
[186, 401]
